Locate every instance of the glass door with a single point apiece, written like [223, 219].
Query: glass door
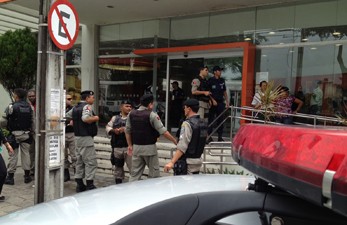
[185, 68]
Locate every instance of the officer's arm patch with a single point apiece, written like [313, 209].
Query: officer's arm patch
[88, 108]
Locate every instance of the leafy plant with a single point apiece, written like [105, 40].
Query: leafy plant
[18, 59]
[272, 93]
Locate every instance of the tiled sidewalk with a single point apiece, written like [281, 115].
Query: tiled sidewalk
[21, 195]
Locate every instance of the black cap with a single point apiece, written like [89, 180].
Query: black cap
[175, 82]
[126, 101]
[191, 102]
[87, 92]
[146, 99]
[216, 68]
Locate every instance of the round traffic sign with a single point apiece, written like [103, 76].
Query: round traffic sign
[63, 24]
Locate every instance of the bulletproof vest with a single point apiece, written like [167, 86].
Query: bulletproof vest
[81, 128]
[141, 129]
[21, 117]
[68, 129]
[119, 140]
[199, 135]
[203, 87]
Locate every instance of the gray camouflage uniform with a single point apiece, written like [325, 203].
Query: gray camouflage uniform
[146, 154]
[86, 163]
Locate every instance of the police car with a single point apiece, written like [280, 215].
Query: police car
[281, 193]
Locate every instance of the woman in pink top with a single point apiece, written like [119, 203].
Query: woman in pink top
[284, 105]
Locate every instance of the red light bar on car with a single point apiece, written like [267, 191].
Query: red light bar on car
[308, 162]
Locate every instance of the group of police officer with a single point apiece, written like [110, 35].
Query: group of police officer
[212, 96]
[134, 133]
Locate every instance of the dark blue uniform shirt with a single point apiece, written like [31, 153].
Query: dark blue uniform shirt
[217, 88]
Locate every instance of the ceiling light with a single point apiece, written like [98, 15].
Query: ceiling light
[336, 33]
[264, 55]
[304, 39]
[248, 39]
[271, 32]
[313, 48]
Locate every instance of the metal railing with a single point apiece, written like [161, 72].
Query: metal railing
[222, 150]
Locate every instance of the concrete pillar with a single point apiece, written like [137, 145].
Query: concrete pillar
[89, 57]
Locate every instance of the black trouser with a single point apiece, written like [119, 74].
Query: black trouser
[214, 112]
[3, 172]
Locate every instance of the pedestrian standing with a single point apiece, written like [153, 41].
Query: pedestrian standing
[116, 129]
[143, 128]
[219, 95]
[70, 146]
[32, 101]
[20, 124]
[177, 98]
[84, 120]
[192, 140]
[3, 169]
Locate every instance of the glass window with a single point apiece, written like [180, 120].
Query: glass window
[73, 84]
[127, 78]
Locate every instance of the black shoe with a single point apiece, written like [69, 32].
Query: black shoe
[9, 179]
[209, 140]
[80, 185]
[80, 188]
[27, 179]
[2, 198]
[220, 139]
[90, 185]
[119, 181]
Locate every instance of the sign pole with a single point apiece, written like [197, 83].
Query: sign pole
[41, 97]
[63, 26]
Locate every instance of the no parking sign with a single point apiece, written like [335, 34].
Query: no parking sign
[63, 24]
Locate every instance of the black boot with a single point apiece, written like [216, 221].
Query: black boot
[66, 175]
[27, 177]
[90, 185]
[9, 179]
[119, 181]
[80, 185]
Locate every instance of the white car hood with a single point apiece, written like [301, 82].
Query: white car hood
[107, 205]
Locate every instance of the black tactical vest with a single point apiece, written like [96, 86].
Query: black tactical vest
[68, 129]
[21, 118]
[119, 140]
[203, 87]
[81, 128]
[199, 135]
[142, 132]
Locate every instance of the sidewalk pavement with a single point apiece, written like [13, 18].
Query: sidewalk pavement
[21, 195]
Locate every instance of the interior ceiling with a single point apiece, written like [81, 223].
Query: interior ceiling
[24, 13]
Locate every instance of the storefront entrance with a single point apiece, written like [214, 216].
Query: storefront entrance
[183, 65]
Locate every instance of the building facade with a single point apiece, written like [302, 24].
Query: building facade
[295, 45]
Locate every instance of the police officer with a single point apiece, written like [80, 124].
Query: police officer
[116, 129]
[32, 101]
[142, 131]
[201, 92]
[70, 146]
[84, 120]
[20, 124]
[219, 95]
[191, 144]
